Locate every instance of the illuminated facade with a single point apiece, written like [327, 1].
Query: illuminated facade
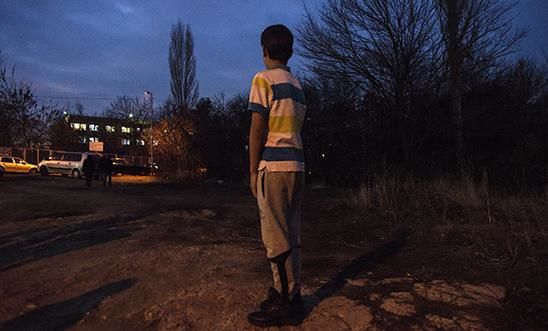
[120, 136]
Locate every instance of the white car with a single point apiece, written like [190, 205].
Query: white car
[64, 163]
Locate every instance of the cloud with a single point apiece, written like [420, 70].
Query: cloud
[117, 47]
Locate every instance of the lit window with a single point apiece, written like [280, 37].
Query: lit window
[126, 142]
[93, 127]
[83, 140]
[141, 142]
[138, 129]
[78, 126]
[110, 128]
[93, 139]
[126, 130]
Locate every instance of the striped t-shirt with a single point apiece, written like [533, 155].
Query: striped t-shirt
[278, 96]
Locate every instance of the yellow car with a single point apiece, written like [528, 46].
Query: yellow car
[15, 164]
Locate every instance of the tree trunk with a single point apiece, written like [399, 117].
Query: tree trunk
[455, 63]
[458, 128]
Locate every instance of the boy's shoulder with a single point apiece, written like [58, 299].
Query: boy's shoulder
[261, 74]
[275, 76]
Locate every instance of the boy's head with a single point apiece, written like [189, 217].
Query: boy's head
[277, 43]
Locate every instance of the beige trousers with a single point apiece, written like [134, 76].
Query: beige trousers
[279, 196]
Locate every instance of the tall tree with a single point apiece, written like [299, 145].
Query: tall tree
[385, 48]
[182, 66]
[477, 35]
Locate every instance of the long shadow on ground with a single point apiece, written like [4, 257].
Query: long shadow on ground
[25, 247]
[60, 315]
[360, 264]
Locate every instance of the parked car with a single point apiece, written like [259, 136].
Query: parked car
[121, 166]
[66, 163]
[1, 171]
[17, 165]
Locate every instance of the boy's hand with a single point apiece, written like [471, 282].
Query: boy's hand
[253, 184]
[257, 136]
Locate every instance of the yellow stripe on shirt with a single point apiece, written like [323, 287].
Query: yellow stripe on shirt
[261, 82]
[284, 124]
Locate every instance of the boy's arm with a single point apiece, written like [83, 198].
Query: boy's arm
[257, 135]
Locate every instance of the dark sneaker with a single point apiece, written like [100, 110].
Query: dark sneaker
[275, 311]
[279, 314]
[274, 297]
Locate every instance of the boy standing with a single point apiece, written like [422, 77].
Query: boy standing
[276, 166]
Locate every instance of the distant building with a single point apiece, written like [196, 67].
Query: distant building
[119, 136]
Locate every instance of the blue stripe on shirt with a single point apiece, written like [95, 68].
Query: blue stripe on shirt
[283, 154]
[255, 107]
[287, 91]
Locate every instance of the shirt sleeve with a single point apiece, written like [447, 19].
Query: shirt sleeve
[260, 95]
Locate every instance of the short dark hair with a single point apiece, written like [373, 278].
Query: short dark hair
[278, 41]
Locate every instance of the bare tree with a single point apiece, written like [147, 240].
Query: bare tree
[78, 108]
[23, 122]
[182, 65]
[61, 134]
[477, 35]
[173, 136]
[129, 108]
[386, 48]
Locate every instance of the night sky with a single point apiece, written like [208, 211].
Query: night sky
[92, 51]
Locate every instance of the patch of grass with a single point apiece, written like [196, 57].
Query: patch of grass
[463, 213]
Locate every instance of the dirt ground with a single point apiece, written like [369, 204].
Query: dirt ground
[146, 254]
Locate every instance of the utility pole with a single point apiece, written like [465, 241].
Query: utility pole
[149, 97]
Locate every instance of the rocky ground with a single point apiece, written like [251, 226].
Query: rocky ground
[151, 255]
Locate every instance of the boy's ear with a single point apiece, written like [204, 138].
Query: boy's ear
[265, 52]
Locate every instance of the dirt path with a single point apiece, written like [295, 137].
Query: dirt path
[165, 256]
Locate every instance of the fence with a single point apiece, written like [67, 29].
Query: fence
[35, 155]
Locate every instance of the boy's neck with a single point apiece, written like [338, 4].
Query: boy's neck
[273, 64]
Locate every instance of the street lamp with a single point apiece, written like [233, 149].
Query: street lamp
[149, 98]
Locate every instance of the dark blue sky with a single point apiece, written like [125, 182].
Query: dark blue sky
[84, 50]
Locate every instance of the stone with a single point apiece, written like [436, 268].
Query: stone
[374, 296]
[486, 294]
[470, 322]
[153, 313]
[339, 313]
[361, 282]
[404, 280]
[400, 309]
[440, 322]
